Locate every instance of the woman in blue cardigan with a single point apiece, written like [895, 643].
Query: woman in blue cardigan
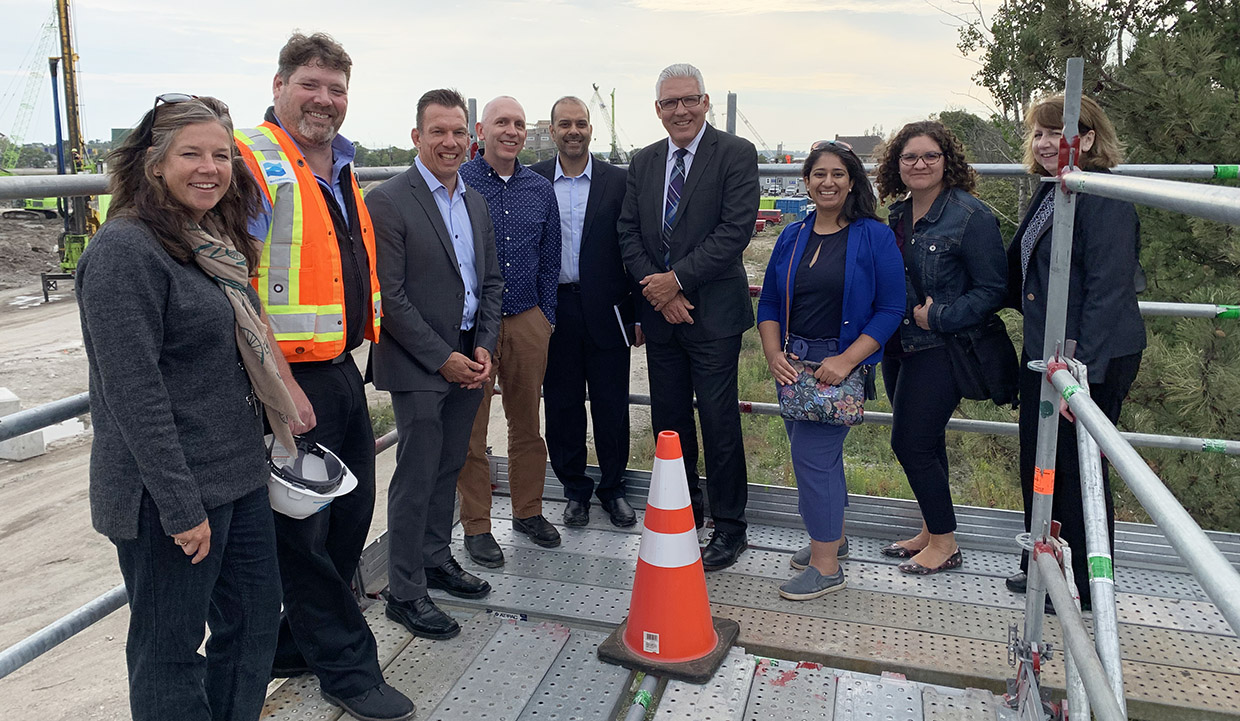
[834, 292]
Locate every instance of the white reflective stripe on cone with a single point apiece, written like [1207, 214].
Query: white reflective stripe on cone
[671, 490]
[669, 550]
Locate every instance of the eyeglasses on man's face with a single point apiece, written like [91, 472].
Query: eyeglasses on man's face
[689, 101]
[930, 158]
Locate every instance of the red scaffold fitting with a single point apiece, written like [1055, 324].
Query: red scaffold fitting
[1069, 153]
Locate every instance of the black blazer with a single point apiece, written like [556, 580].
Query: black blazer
[1103, 317]
[421, 286]
[604, 285]
[714, 223]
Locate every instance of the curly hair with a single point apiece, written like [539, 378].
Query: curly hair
[1107, 150]
[956, 170]
[138, 193]
[319, 49]
[860, 202]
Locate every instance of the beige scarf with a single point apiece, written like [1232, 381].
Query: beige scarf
[218, 257]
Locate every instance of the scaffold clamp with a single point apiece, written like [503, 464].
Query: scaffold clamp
[1069, 152]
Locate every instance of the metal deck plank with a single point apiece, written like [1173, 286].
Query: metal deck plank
[578, 687]
[969, 705]
[858, 698]
[505, 673]
[791, 691]
[300, 699]
[721, 699]
[427, 670]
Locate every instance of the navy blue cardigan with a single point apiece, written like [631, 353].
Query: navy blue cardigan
[873, 281]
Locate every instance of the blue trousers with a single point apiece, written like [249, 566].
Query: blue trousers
[235, 590]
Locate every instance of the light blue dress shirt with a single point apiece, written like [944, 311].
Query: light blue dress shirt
[572, 194]
[461, 231]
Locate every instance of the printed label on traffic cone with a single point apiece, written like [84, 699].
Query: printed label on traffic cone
[669, 612]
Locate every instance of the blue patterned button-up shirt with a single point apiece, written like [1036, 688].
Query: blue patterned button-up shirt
[527, 234]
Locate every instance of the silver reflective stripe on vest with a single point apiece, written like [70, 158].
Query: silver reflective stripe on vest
[285, 199]
[306, 324]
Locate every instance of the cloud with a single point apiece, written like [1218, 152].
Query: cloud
[748, 7]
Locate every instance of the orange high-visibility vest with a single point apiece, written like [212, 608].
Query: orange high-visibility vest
[299, 276]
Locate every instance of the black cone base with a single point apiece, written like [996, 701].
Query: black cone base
[697, 671]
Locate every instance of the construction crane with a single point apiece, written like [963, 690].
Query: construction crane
[618, 154]
[34, 81]
[757, 136]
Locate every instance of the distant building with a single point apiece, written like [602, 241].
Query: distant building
[538, 139]
[863, 145]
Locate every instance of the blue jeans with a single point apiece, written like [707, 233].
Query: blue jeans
[235, 590]
[818, 457]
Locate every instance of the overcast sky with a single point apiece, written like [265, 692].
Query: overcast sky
[803, 69]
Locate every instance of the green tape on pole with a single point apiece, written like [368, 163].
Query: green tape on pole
[1211, 445]
[1226, 171]
[1228, 311]
[643, 699]
[1070, 391]
[1100, 567]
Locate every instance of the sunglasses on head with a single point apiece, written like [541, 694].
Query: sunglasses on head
[837, 143]
[148, 128]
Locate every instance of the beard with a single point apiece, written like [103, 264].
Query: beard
[315, 132]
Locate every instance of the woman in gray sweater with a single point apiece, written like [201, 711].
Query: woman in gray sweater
[181, 371]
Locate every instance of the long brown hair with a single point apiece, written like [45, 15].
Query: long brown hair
[1107, 150]
[956, 170]
[138, 193]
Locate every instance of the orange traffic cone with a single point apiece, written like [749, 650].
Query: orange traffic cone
[669, 630]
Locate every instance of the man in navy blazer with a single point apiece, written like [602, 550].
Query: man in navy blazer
[688, 214]
[594, 328]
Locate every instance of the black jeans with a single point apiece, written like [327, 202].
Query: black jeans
[1066, 507]
[233, 590]
[323, 626]
[923, 397]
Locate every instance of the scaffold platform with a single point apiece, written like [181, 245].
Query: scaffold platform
[890, 646]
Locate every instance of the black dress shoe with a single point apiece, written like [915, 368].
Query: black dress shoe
[576, 513]
[457, 581]
[423, 618]
[622, 514]
[723, 550]
[1017, 582]
[539, 531]
[484, 550]
[381, 703]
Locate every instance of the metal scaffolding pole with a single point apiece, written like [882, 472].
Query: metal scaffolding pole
[32, 419]
[1213, 202]
[51, 636]
[1218, 578]
[1076, 637]
[1098, 553]
[1078, 699]
[1056, 322]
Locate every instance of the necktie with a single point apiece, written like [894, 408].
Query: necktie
[674, 186]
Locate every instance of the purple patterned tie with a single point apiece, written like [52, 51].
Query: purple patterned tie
[674, 186]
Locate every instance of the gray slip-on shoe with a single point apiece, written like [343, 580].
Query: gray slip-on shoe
[810, 584]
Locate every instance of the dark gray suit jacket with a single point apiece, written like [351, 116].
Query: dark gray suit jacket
[713, 225]
[420, 282]
[605, 287]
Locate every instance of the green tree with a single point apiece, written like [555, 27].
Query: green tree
[33, 155]
[390, 156]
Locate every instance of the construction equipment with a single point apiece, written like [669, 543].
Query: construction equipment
[618, 154]
[33, 208]
[766, 149]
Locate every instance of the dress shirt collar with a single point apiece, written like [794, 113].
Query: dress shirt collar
[433, 183]
[559, 169]
[517, 168]
[692, 147]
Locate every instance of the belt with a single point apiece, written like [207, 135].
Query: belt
[570, 287]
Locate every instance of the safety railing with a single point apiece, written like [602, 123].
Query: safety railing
[1094, 669]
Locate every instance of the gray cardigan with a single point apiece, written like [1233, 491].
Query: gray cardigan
[168, 394]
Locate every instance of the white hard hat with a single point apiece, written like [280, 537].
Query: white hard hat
[303, 484]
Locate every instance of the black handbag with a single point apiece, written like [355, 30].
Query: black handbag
[982, 357]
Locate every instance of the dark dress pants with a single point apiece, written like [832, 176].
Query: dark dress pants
[923, 397]
[1066, 507]
[434, 428]
[678, 369]
[233, 590]
[323, 624]
[574, 362]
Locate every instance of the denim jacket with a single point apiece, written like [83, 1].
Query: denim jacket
[957, 254]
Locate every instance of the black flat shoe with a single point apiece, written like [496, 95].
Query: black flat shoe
[423, 618]
[576, 513]
[457, 581]
[915, 568]
[484, 550]
[723, 550]
[538, 529]
[381, 703]
[895, 550]
[1017, 582]
[622, 514]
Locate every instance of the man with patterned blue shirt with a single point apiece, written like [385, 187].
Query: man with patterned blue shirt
[526, 217]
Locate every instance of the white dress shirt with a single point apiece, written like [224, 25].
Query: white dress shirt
[572, 194]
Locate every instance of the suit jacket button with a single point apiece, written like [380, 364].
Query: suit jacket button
[1029, 297]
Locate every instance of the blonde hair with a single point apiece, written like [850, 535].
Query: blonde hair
[1106, 152]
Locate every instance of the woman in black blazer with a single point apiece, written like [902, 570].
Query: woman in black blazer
[1103, 317]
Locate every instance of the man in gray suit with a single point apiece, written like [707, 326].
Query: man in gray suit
[441, 289]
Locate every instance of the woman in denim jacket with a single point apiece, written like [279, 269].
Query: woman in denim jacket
[833, 292]
[956, 272]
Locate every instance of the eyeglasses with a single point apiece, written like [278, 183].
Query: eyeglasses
[147, 129]
[818, 144]
[172, 99]
[910, 159]
[689, 101]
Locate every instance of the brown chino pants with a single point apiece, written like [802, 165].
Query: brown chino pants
[520, 362]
